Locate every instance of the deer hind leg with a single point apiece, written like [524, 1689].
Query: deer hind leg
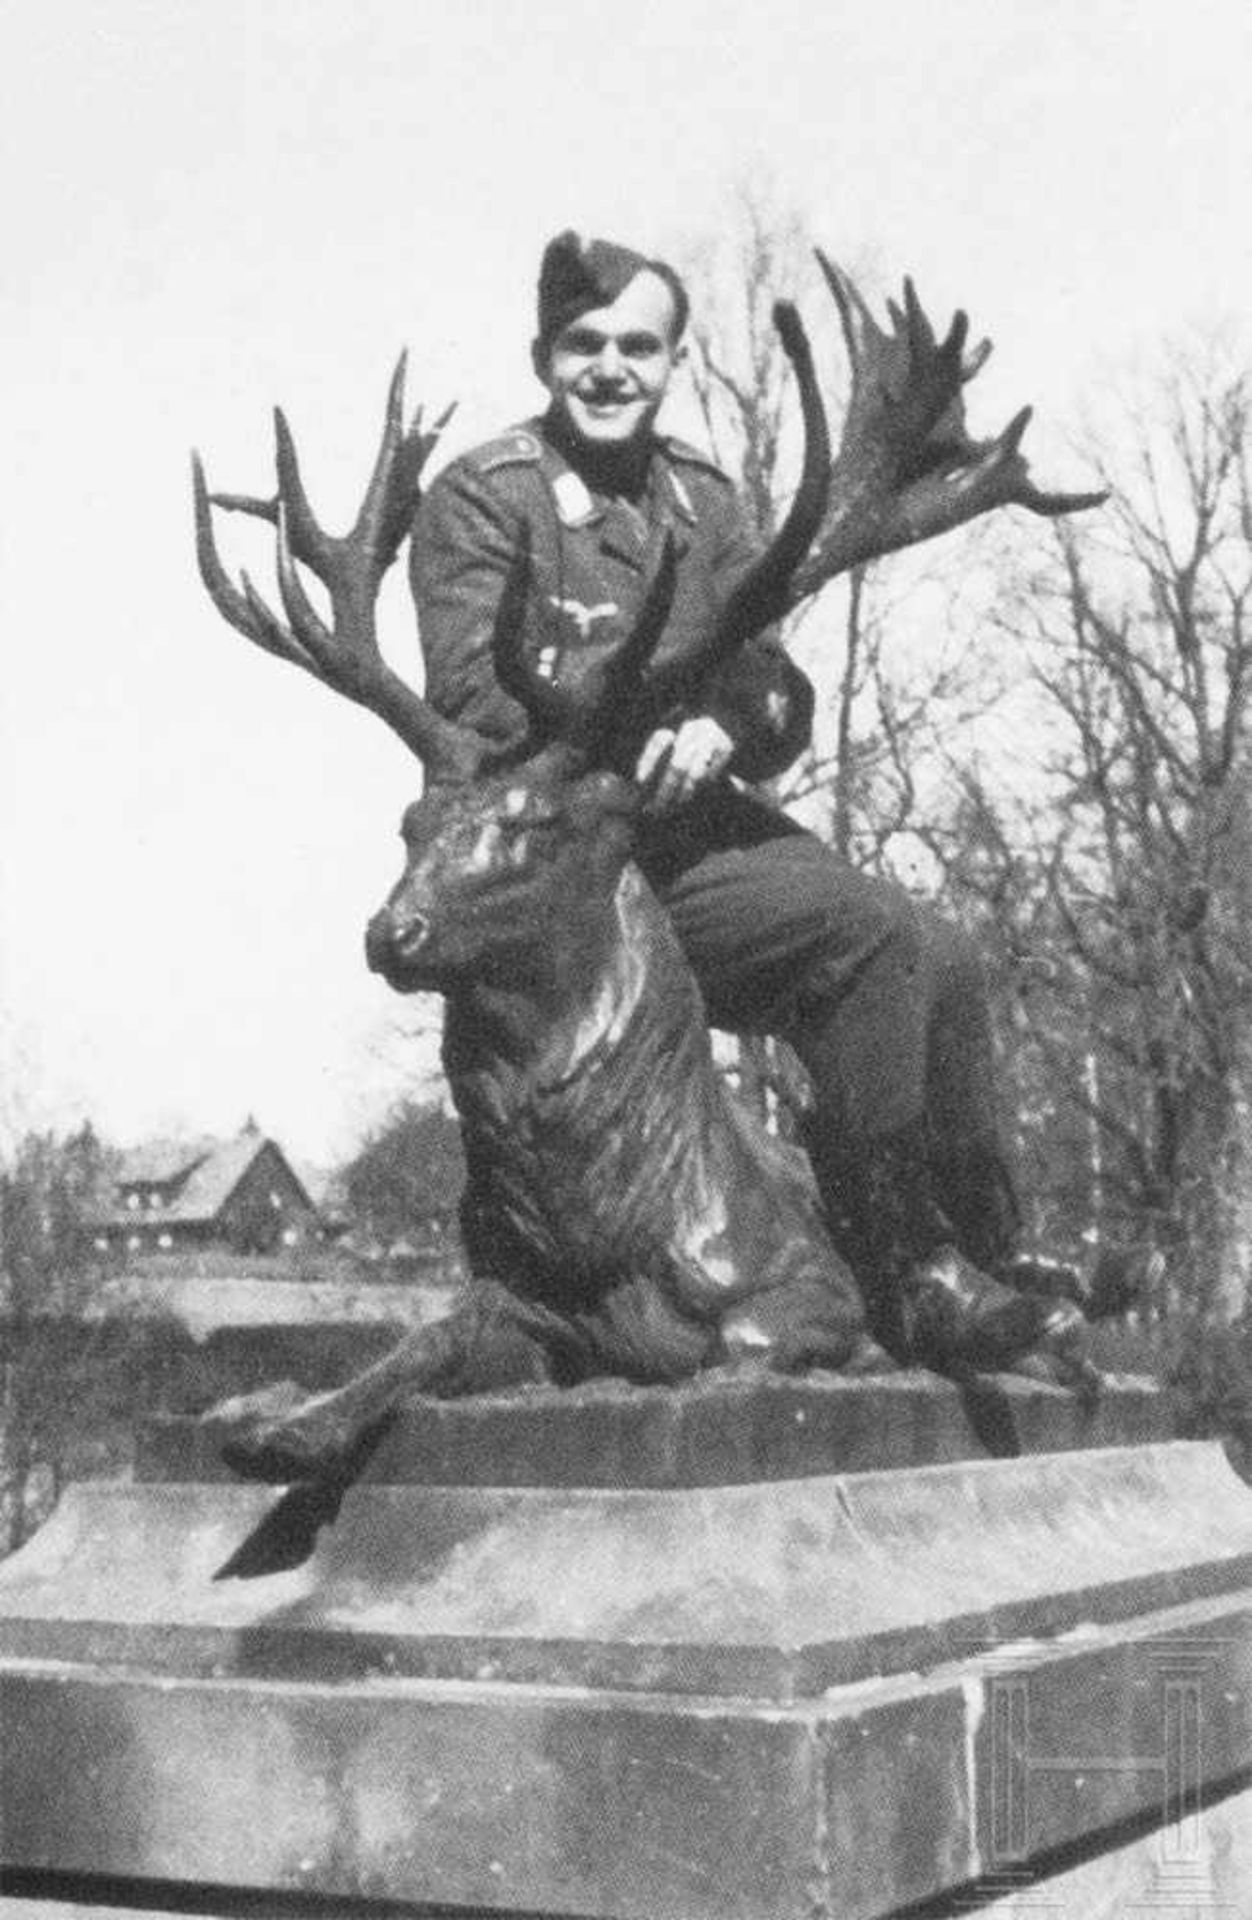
[283, 1434]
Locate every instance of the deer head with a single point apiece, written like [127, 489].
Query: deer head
[508, 880]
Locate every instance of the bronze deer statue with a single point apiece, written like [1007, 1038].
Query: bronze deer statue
[623, 1215]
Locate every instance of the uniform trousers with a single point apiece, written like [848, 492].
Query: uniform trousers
[884, 1002]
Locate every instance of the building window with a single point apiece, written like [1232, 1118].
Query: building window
[132, 1202]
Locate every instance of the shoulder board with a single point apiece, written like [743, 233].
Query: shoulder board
[685, 455]
[517, 448]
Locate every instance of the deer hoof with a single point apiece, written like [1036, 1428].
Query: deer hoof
[275, 1438]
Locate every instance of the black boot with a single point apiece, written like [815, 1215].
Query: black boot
[928, 1302]
[957, 1317]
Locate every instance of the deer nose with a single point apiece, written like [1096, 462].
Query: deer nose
[389, 939]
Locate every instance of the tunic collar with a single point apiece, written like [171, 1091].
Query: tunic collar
[579, 503]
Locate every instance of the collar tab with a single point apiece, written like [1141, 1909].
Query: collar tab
[574, 503]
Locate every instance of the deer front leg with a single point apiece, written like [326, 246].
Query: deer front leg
[283, 1434]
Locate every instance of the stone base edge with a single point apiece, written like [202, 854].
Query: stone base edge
[876, 1798]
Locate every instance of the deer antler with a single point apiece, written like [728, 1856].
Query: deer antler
[345, 655]
[907, 467]
[766, 590]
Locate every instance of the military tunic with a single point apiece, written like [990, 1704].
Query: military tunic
[592, 558]
[883, 1001]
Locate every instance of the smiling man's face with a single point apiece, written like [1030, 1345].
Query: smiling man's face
[608, 370]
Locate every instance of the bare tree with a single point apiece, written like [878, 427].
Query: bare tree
[408, 1173]
[62, 1366]
[894, 683]
[735, 362]
[1110, 860]
[1136, 882]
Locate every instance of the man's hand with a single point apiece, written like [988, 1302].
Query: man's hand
[677, 761]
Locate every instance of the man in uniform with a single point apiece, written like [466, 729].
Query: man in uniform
[883, 1002]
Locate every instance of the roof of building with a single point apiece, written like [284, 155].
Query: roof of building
[216, 1168]
[157, 1162]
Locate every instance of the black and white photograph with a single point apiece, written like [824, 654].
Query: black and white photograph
[626, 961]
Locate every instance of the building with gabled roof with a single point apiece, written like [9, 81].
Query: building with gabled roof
[241, 1193]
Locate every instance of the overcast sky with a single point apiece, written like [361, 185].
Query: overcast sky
[214, 205]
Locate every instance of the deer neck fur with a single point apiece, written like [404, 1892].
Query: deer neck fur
[623, 980]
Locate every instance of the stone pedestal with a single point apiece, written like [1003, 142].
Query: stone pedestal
[764, 1651]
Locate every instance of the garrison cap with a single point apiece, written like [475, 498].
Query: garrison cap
[577, 275]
